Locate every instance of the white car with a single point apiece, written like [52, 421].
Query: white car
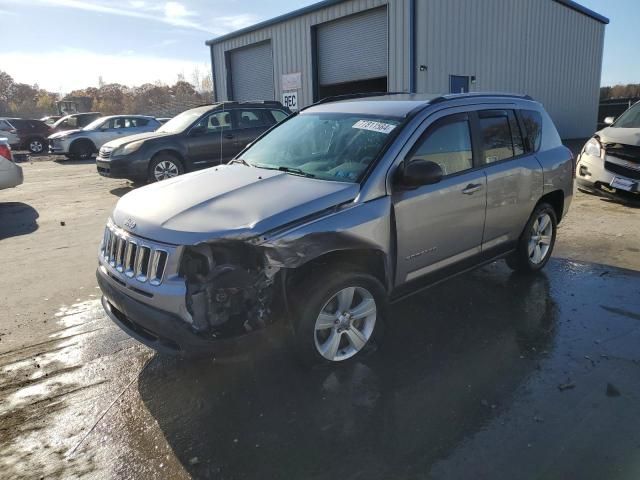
[10, 173]
[83, 143]
[9, 132]
[610, 160]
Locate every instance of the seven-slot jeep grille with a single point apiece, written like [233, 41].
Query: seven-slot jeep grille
[134, 257]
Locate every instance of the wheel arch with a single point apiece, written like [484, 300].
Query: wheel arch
[556, 200]
[78, 141]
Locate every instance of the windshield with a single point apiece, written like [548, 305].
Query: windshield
[95, 124]
[329, 146]
[630, 118]
[181, 122]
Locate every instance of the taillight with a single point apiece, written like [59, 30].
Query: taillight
[5, 151]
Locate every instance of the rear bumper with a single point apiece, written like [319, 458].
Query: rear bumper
[12, 177]
[164, 331]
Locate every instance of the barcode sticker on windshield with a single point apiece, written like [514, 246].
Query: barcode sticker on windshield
[379, 127]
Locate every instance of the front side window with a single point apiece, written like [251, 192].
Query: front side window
[329, 146]
[500, 136]
[447, 143]
[215, 122]
[629, 119]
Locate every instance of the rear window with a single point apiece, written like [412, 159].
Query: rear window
[532, 121]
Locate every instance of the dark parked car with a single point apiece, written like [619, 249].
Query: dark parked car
[32, 134]
[75, 121]
[195, 139]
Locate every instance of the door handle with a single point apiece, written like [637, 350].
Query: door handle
[472, 188]
[229, 135]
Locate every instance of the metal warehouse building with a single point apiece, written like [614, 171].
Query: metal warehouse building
[549, 49]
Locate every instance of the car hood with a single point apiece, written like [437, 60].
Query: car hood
[118, 142]
[625, 136]
[229, 201]
[64, 133]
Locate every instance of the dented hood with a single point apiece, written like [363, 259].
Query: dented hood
[625, 136]
[230, 201]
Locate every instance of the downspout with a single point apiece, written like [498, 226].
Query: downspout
[412, 46]
[213, 76]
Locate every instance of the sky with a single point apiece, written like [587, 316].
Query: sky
[66, 44]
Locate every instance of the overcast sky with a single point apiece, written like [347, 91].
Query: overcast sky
[67, 44]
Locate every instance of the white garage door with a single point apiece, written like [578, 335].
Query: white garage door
[252, 73]
[353, 48]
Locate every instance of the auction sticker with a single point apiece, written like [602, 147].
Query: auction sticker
[379, 127]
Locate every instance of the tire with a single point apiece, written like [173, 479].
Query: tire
[36, 145]
[81, 150]
[163, 166]
[334, 338]
[535, 244]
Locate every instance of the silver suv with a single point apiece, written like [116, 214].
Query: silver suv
[332, 214]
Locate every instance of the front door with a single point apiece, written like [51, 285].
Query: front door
[458, 84]
[441, 224]
[210, 140]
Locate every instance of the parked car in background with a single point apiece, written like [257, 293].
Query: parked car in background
[75, 121]
[9, 132]
[610, 160]
[332, 214]
[51, 119]
[198, 138]
[83, 143]
[10, 173]
[32, 134]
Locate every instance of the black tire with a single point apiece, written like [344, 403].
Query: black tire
[313, 295]
[522, 260]
[172, 162]
[81, 150]
[37, 145]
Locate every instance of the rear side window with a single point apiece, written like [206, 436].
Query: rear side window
[532, 123]
[500, 135]
[136, 122]
[251, 119]
[447, 143]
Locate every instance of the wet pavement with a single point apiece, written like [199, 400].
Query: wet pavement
[489, 375]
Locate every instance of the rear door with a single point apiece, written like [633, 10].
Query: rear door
[211, 139]
[514, 177]
[250, 124]
[440, 225]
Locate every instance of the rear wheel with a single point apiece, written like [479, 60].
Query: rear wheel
[163, 166]
[36, 145]
[338, 316]
[537, 241]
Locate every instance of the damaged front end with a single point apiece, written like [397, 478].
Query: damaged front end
[230, 288]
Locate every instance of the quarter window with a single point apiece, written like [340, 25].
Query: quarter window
[448, 144]
[532, 121]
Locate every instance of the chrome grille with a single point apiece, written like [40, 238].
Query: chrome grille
[133, 257]
[105, 152]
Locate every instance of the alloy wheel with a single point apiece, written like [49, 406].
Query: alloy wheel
[540, 239]
[165, 169]
[36, 146]
[345, 324]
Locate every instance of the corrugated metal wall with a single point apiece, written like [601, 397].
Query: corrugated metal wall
[538, 47]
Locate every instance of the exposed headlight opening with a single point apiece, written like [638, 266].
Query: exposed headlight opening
[593, 148]
[128, 148]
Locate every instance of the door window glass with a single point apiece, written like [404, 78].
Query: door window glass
[251, 119]
[448, 145]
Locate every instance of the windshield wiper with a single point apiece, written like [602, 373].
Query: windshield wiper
[296, 171]
[240, 160]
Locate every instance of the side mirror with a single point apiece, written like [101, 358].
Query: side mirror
[609, 120]
[197, 131]
[420, 172]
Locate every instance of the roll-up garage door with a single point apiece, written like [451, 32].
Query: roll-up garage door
[252, 73]
[353, 48]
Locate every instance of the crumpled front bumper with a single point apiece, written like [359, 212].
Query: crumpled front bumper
[163, 331]
[592, 174]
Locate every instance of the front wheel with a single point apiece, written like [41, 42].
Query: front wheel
[36, 145]
[536, 242]
[164, 166]
[337, 315]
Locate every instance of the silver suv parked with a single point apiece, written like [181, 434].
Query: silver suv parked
[332, 214]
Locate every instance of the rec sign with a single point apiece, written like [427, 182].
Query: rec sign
[290, 100]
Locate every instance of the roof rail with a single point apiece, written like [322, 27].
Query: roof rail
[348, 96]
[455, 96]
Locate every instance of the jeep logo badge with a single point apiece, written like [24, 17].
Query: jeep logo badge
[130, 224]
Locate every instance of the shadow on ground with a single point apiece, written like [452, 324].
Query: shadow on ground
[17, 218]
[452, 359]
[67, 161]
[120, 191]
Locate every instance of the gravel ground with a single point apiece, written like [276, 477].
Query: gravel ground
[546, 384]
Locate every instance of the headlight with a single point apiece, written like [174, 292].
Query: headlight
[128, 148]
[593, 148]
